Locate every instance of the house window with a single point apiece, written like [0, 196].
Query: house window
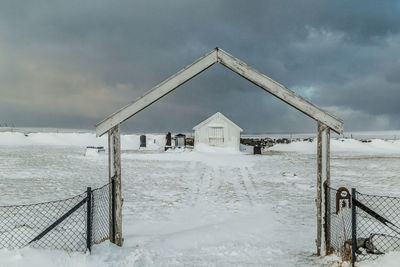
[216, 136]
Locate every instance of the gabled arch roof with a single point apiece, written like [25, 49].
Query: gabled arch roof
[234, 64]
[217, 115]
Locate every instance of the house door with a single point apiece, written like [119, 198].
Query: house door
[216, 136]
[180, 142]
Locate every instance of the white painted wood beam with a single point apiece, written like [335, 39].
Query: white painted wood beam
[114, 159]
[234, 64]
[323, 176]
[157, 92]
[279, 91]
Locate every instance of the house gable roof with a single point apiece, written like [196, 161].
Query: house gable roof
[217, 115]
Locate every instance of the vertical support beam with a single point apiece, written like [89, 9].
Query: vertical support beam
[323, 176]
[319, 189]
[114, 157]
[111, 215]
[328, 247]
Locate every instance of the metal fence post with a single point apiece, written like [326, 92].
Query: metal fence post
[353, 227]
[89, 220]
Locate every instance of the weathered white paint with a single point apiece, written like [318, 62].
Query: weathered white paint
[110, 177]
[325, 122]
[115, 174]
[279, 91]
[218, 55]
[323, 175]
[327, 160]
[210, 131]
[157, 92]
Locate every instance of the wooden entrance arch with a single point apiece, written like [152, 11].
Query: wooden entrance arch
[326, 122]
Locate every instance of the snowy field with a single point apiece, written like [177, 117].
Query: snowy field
[187, 208]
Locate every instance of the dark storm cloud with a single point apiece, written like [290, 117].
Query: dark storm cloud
[71, 63]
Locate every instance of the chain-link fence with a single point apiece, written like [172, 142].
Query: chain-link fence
[378, 222]
[101, 214]
[338, 221]
[359, 226]
[72, 224]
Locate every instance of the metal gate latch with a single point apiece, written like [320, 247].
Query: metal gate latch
[343, 198]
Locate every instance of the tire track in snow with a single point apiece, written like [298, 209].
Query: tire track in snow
[251, 178]
[221, 186]
[193, 181]
[255, 190]
[225, 188]
[180, 192]
[200, 184]
[205, 185]
[210, 180]
[243, 185]
[212, 191]
[231, 186]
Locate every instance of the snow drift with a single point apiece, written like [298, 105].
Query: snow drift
[157, 142]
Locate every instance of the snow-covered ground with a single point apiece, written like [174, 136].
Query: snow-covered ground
[193, 208]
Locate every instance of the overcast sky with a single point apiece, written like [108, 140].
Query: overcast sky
[72, 63]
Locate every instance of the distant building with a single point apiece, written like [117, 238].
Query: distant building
[217, 131]
[180, 140]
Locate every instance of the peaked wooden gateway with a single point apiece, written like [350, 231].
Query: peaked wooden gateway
[326, 122]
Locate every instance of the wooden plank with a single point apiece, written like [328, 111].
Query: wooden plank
[235, 65]
[110, 194]
[157, 92]
[279, 91]
[117, 185]
[323, 175]
[319, 189]
[328, 247]
[115, 174]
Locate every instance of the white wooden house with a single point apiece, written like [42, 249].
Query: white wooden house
[217, 131]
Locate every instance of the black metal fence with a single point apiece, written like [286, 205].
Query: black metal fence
[72, 224]
[360, 226]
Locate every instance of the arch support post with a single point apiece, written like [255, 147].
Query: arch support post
[114, 173]
[323, 177]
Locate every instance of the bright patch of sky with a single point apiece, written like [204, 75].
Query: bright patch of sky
[304, 91]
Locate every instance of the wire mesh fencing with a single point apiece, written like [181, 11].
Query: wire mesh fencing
[101, 203]
[338, 221]
[71, 224]
[378, 222]
[359, 226]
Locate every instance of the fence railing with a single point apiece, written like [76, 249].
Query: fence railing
[72, 224]
[362, 227]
